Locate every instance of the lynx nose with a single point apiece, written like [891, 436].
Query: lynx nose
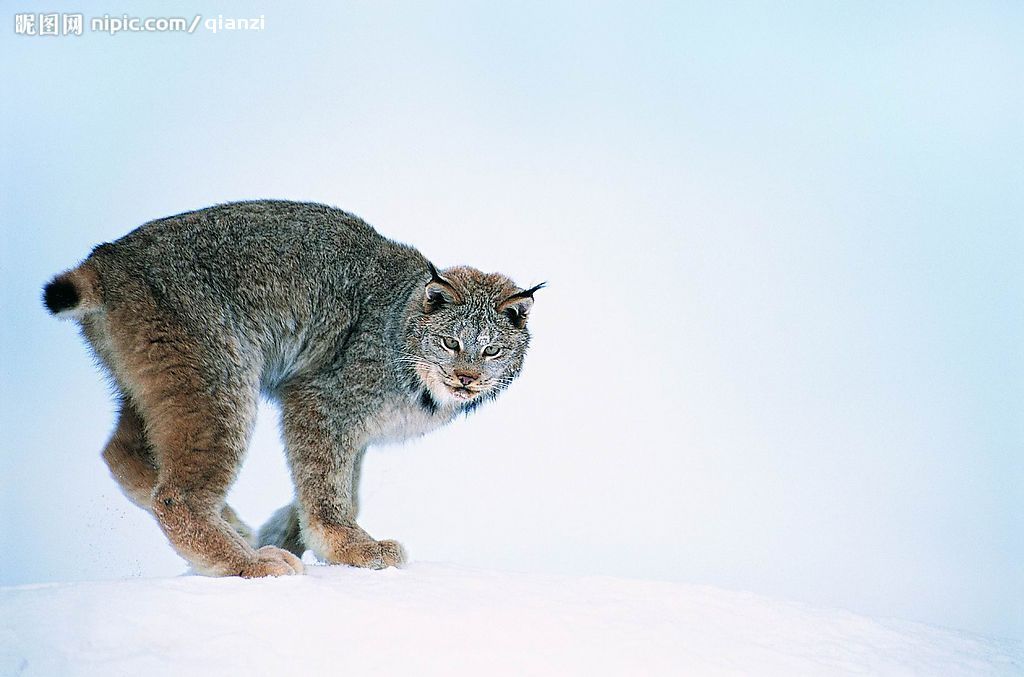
[464, 378]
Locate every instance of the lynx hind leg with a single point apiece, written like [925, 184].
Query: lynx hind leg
[132, 463]
[198, 409]
[130, 458]
[282, 531]
[199, 453]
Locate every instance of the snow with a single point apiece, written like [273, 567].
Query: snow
[440, 619]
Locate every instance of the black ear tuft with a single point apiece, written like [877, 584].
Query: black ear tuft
[529, 292]
[59, 295]
[434, 275]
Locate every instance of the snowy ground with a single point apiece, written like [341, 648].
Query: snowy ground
[438, 619]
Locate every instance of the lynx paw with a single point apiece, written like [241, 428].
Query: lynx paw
[271, 561]
[371, 554]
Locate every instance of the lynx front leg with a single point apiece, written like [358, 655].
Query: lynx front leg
[324, 450]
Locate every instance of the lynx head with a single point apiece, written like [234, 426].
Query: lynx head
[466, 335]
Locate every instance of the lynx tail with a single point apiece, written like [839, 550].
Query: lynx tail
[74, 293]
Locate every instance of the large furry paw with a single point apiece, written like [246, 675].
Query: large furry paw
[271, 561]
[370, 554]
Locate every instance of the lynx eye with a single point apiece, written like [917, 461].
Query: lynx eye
[492, 351]
[450, 343]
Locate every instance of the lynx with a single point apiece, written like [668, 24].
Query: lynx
[358, 339]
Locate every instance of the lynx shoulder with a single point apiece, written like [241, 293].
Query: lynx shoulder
[359, 339]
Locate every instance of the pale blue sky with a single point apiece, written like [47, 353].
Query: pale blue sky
[781, 347]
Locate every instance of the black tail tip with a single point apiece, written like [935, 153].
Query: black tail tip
[60, 295]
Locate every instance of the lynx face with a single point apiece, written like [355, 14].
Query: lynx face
[469, 335]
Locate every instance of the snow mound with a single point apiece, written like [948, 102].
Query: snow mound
[434, 619]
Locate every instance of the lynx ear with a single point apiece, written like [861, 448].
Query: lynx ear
[438, 292]
[517, 307]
